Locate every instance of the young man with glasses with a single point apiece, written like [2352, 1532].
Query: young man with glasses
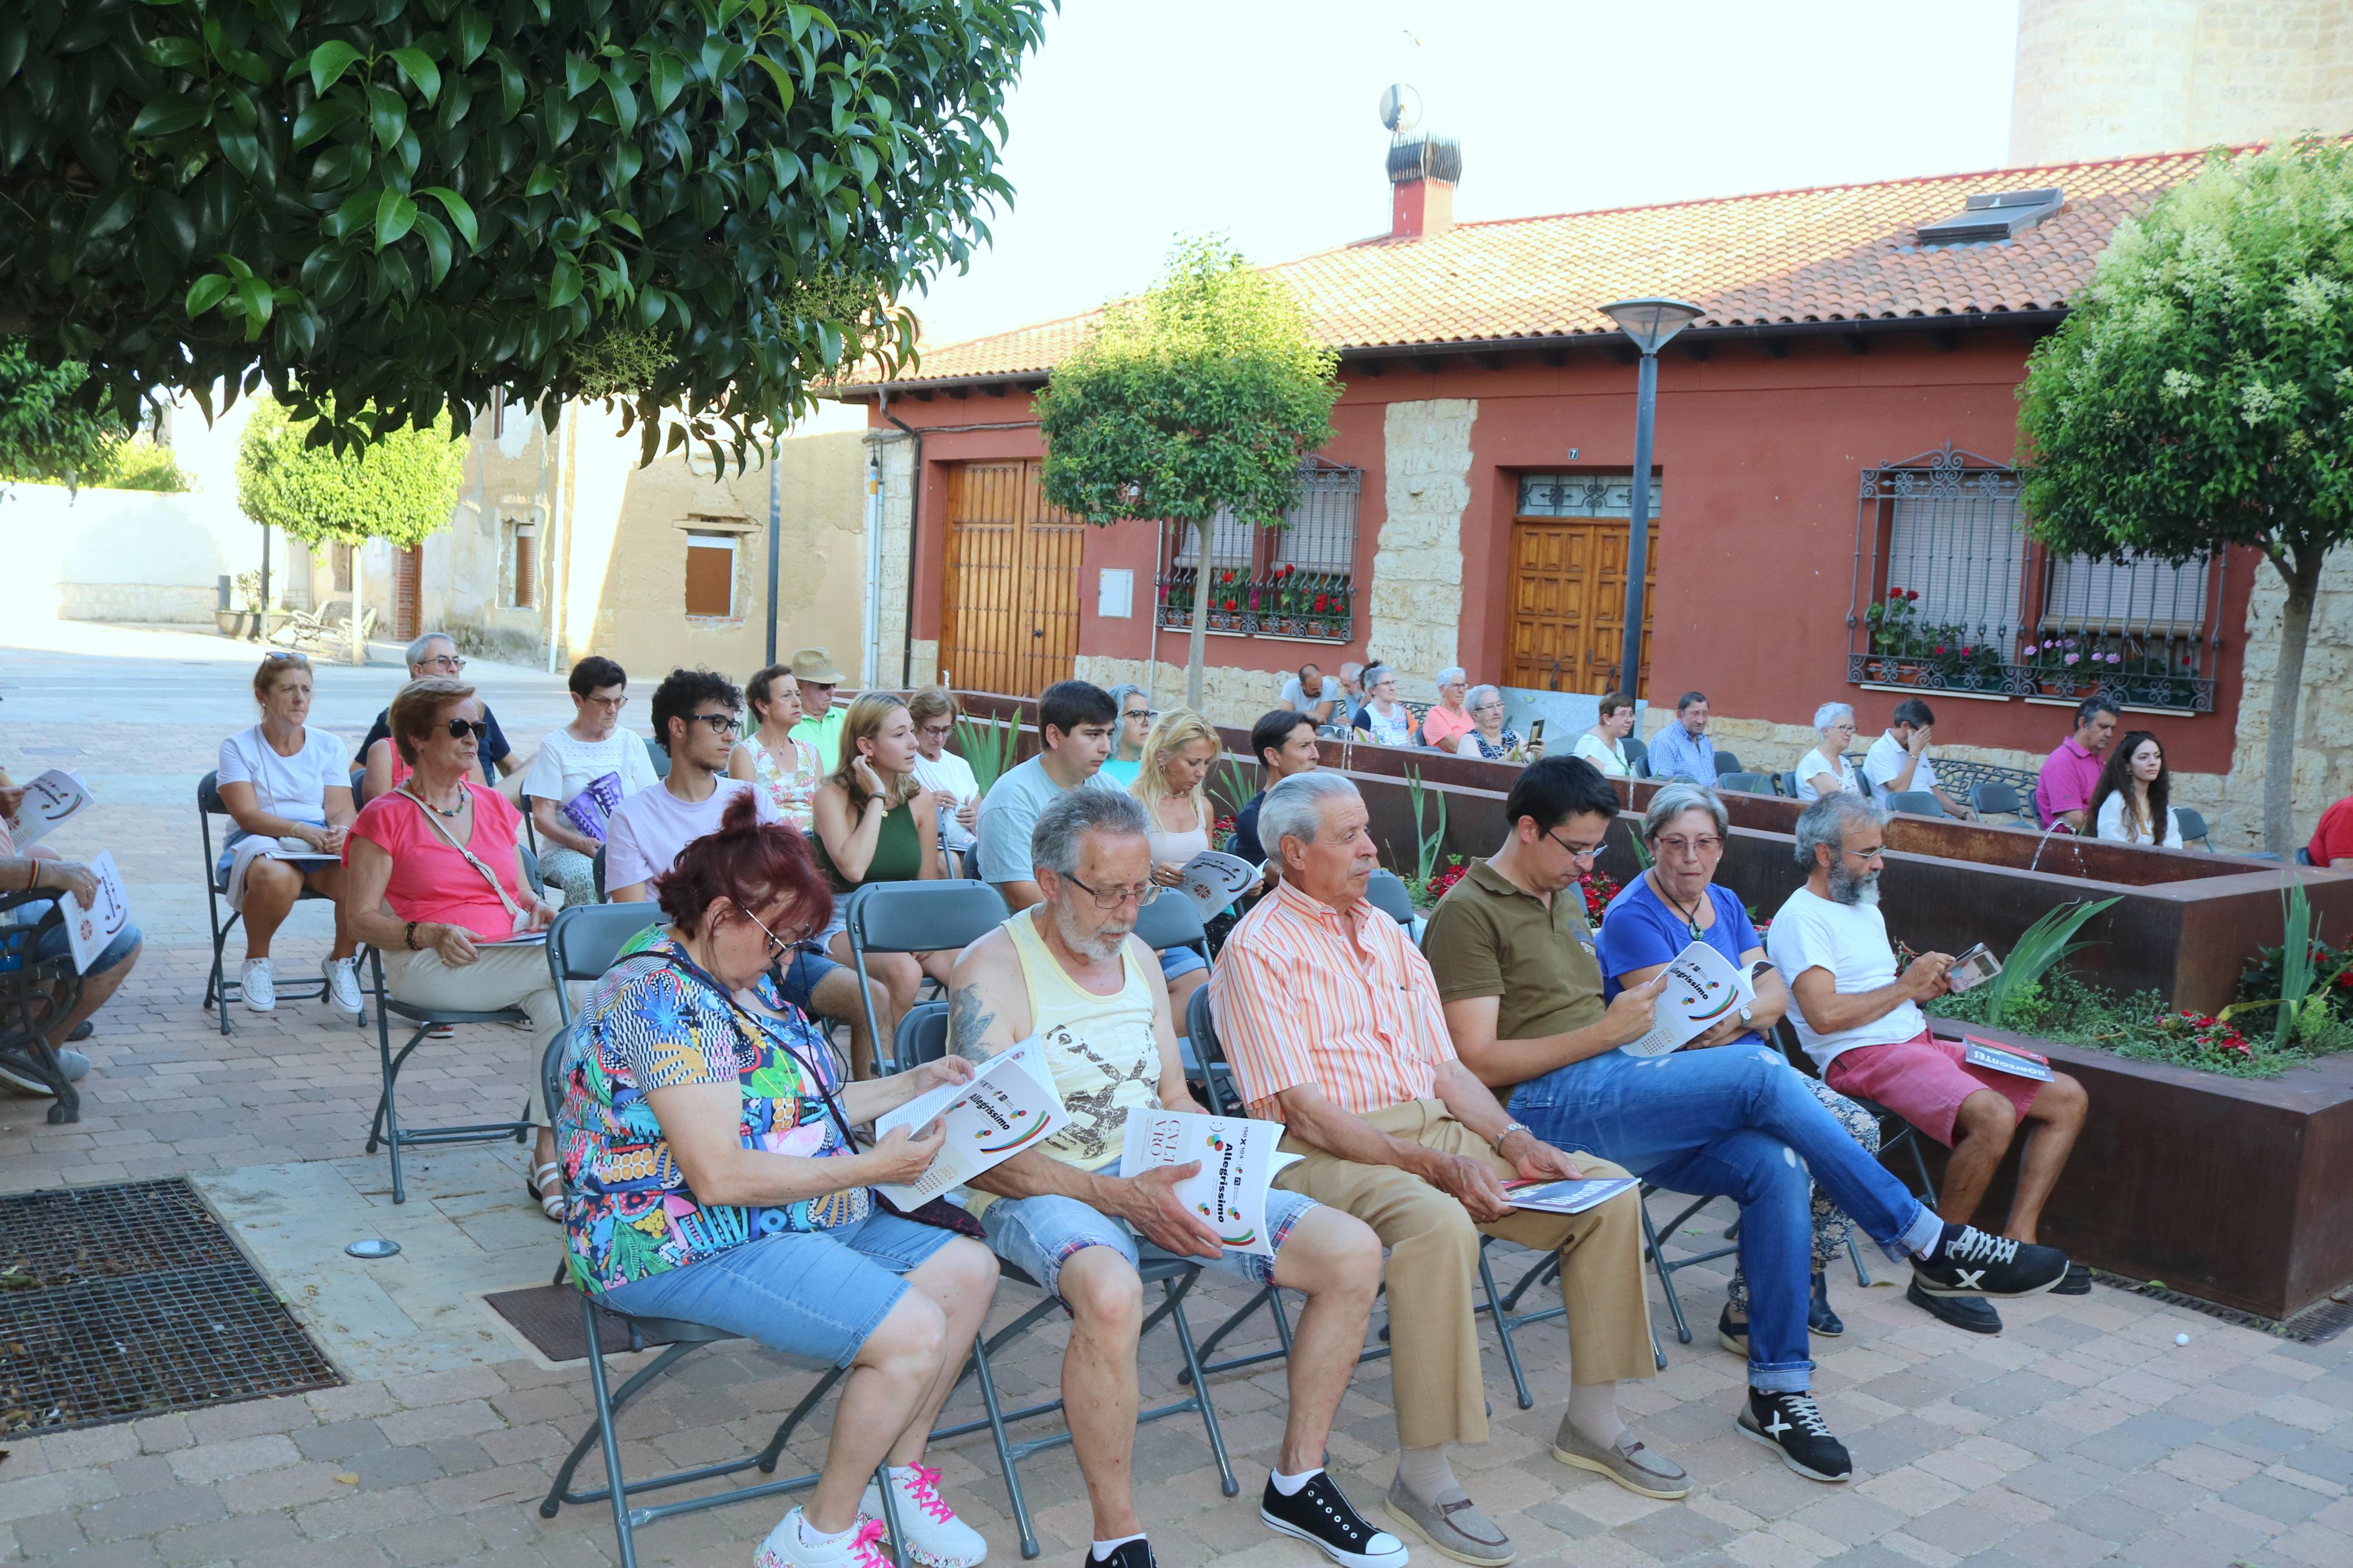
[694, 713]
[435, 654]
[1531, 1012]
[1068, 971]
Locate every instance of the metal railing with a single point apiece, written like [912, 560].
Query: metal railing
[1295, 580]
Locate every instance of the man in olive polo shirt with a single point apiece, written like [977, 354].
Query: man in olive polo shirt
[1522, 986]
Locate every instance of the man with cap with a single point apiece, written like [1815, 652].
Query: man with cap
[820, 723]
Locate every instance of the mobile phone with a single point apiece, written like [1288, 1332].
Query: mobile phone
[1535, 734]
[1974, 967]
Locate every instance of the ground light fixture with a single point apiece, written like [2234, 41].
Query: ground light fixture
[1648, 323]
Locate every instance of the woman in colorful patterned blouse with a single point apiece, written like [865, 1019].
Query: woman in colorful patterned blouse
[704, 1134]
[789, 770]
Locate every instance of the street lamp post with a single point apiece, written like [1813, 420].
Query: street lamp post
[1650, 323]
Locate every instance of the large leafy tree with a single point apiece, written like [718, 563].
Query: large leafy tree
[2200, 395]
[1202, 394]
[391, 210]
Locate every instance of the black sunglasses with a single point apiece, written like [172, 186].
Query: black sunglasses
[460, 728]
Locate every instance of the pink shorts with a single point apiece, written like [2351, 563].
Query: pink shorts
[1923, 1080]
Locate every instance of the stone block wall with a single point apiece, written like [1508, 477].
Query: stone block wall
[898, 455]
[1417, 572]
[1229, 695]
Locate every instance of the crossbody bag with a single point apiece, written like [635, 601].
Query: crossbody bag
[515, 912]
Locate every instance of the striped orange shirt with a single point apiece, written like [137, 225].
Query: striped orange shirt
[1306, 995]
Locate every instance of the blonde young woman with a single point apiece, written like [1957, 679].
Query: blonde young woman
[1179, 753]
[787, 768]
[877, 822]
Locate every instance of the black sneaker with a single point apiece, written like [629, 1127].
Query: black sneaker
[2077, 1283]
[1968, 1262]
[1970, 1312]
[1127, 1554]
[1792, 1424]
[1820, 1319]
[1319, 1514]
[1731, 1332]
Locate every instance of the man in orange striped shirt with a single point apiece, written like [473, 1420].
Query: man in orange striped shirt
[1332, 1022]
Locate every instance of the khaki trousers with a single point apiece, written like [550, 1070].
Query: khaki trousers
[498, 977]
[1433, 1271]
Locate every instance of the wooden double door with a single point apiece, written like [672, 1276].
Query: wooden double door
[1010, 607]
[1568, 604]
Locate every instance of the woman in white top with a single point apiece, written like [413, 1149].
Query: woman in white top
[1178, 756]
[288, 789]
[2134, 793]
[789, 770]
[592, 747]
[1825, 770]
[1385, 720]
[1604, 745]
[941, 771]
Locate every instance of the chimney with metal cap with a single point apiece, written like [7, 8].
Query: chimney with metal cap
[1423, 170]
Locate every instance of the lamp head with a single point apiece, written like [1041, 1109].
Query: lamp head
[1651, 322]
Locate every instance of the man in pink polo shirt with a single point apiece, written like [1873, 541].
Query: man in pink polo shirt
[2063, 790]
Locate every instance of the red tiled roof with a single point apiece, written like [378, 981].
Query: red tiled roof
[1836, 253]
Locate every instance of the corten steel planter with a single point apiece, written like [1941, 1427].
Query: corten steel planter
[2233, 1190]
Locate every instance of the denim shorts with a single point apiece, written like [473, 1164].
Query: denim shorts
[814, 1293]
[1177, 961]
[52, 943]
[1039, 1234]
[802, 976]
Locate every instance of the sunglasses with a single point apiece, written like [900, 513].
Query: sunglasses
[460, 728]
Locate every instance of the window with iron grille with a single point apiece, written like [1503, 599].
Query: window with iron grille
[1582, 495]
[1297, 580]
[1950, 595]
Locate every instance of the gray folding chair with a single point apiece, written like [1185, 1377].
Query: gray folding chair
[915, 917]
[2193, 828]
[1638, 757]
[1725, 762]
[1387, 890]
[1785, 784]
[1745, 784]
[584, 942]
[596, 871]
[1993, 799]
[386, 1129]
[1916, 803]
[2302, 855]
[221, 990]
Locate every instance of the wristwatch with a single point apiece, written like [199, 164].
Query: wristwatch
[1745, 1019]
[1509, 1127]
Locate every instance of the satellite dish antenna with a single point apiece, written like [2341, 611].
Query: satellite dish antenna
[1400, 108]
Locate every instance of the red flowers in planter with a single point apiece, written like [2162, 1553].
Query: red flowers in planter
[1599, 888]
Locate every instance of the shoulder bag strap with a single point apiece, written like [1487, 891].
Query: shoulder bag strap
[751, 1032]
[432, 820]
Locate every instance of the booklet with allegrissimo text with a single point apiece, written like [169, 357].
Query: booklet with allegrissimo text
[1703, 988]
[1010, 1105]
[1238, 1162]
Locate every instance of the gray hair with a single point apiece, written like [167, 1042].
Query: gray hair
[1054, 843]
[1351, 670]
[1121, 692]
[1673, 800]
[418, 649]
[1478, 694]
[1829, 714]
[1453, 672]
[1295, 808]
[1825, 823]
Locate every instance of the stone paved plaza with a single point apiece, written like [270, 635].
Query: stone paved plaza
[2083, 1433]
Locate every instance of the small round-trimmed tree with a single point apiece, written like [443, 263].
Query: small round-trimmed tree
[1202, 394]
[42, 435]
[2199, 396]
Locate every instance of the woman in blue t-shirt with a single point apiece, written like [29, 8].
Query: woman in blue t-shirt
[1663, 911]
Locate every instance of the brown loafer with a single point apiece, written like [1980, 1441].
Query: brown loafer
[1454, 1525]
[1631, 1464]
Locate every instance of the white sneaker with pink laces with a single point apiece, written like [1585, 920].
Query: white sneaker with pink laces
[934, 1536]
[786, 1547]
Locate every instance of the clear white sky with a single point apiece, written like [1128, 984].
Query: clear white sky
[1140, 119]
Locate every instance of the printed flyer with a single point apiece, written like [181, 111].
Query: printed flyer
[1010, 1104]
[1703, 987]
[1238, 1162]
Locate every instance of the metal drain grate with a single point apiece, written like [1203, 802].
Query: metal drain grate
[2315, 1325]
[132, 1300]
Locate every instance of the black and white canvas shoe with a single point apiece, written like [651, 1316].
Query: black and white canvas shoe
[1792, 1424]
[1319, 1514]
[1127, 1554]
[1969, 1262]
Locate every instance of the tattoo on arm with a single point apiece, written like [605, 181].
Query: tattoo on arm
[968, 1022]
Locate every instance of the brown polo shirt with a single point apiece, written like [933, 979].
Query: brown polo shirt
[1487, 938]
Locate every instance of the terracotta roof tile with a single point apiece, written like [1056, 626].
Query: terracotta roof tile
[1835, 253]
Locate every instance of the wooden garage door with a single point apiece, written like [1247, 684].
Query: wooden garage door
[1009, 609]
[1568, 602]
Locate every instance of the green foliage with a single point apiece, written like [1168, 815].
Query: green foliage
[2060, 1006]
[1429, 841]
[2319, 999]
[987, 746]
[400, 488]
[1203, 393]
[44, 435]
[2200, 394]
[1233, 780]
[2038, 949]
[140, 465]
[398, 210]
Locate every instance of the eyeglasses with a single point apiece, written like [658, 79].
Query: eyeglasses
[776, 944]
[1876, 852]
[609, 704]
[720, 724]
[1705, 844]
[1146, 714]
[460, 728]
[941, 730]
[1575, 851]
[1112, 898]
[301, 658]
[448, 662]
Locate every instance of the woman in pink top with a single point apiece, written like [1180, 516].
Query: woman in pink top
[1447, 719]
[442, 852]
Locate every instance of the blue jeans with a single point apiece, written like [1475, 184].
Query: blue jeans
[1736, 1121]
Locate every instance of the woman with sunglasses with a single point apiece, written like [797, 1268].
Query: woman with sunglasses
[443, 854]
[1125, 763]
[715, 1180]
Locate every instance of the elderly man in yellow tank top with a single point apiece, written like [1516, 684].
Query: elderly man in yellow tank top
[1068, 971]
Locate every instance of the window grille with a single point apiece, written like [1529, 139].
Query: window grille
[1297, 580]
[1582, 495]
[1951, 595]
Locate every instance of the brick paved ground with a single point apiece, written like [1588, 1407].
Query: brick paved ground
[2082, 1435]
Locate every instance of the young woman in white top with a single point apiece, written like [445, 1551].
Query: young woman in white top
[1385, 719]
[288, 789]
[941, 771]
[1604, 745]
[788, 769]
[2134, 793]
[1825, 770]
[571, 759]
[1178, 756]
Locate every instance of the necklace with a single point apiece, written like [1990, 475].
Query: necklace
[1691, 916]
[429, 806]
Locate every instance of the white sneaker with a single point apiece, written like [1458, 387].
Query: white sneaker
[343, 984]
[934, 1535]
[260, 988]
[862, 1548]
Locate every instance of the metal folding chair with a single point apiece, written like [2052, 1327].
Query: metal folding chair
[220, 990]
[596, 871]
[1638, 757]
[915, 917]
[1917, 801]
[1386, 889]
[386, 1129]
[1668, 1269]
[2192, 823]
[1991, 799]
[584, 942]
[31, 1003]
[1745, 784]
[1725, 762]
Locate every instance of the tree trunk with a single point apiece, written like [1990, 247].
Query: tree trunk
[1198, 644]
[359, 597]
[2287, 687]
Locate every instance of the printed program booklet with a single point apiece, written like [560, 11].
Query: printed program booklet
[591, 811]
[1703, 987]
[90, 927]
[1238, 1162]
[50, 798]
[1214, 879]
[2015, 1060]
[1010, 1104]
[1566, 1196]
